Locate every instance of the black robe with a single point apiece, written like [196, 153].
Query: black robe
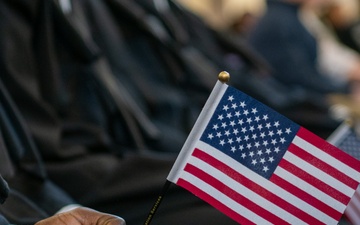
[79, 137]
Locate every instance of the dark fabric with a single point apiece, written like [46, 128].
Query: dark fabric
[32, 196]
[3, 221]
[80, 125]
[290, 49]
[349, 35]
[4, 190]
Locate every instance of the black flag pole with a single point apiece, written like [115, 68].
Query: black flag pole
[157, 203]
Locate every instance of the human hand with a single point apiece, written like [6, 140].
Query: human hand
[82, 216]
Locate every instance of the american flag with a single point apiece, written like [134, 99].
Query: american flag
[346, 138]
[258, 167]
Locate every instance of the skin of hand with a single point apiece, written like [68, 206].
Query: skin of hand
[82, 216]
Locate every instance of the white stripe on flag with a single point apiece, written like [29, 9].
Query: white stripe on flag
[224, 199]
[319, 174]
[244, 191]
[266, 184]
[310, 189]
[318, 153]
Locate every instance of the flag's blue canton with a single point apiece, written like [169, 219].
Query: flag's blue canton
[250, 132]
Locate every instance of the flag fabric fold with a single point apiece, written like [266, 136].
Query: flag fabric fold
[258, 167]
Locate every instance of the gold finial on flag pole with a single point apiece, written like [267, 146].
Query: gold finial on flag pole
[224, 77]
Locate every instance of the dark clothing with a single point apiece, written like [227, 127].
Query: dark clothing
[32, 196]
[284, 42]
[4, 193]
[349, 35]
[99, 112]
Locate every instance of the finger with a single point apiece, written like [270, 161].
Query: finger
[110, 220]
[60, 219]
[98, 218]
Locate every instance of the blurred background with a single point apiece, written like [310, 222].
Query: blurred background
[102, 94]
[337, 18]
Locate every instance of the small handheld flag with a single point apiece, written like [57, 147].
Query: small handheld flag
[258, 167]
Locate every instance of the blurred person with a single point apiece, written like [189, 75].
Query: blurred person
[335, 59]
[343, 18]
[292, 51]
[281, 38]
[243, 24]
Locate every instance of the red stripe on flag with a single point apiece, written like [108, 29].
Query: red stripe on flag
[322, 186]
[255, 187]
[330, 170]
[212, 201]
[234, 195]
[329, 148]
[306, 197]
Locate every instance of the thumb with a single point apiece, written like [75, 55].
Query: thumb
[110, 220]
[98, 218]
